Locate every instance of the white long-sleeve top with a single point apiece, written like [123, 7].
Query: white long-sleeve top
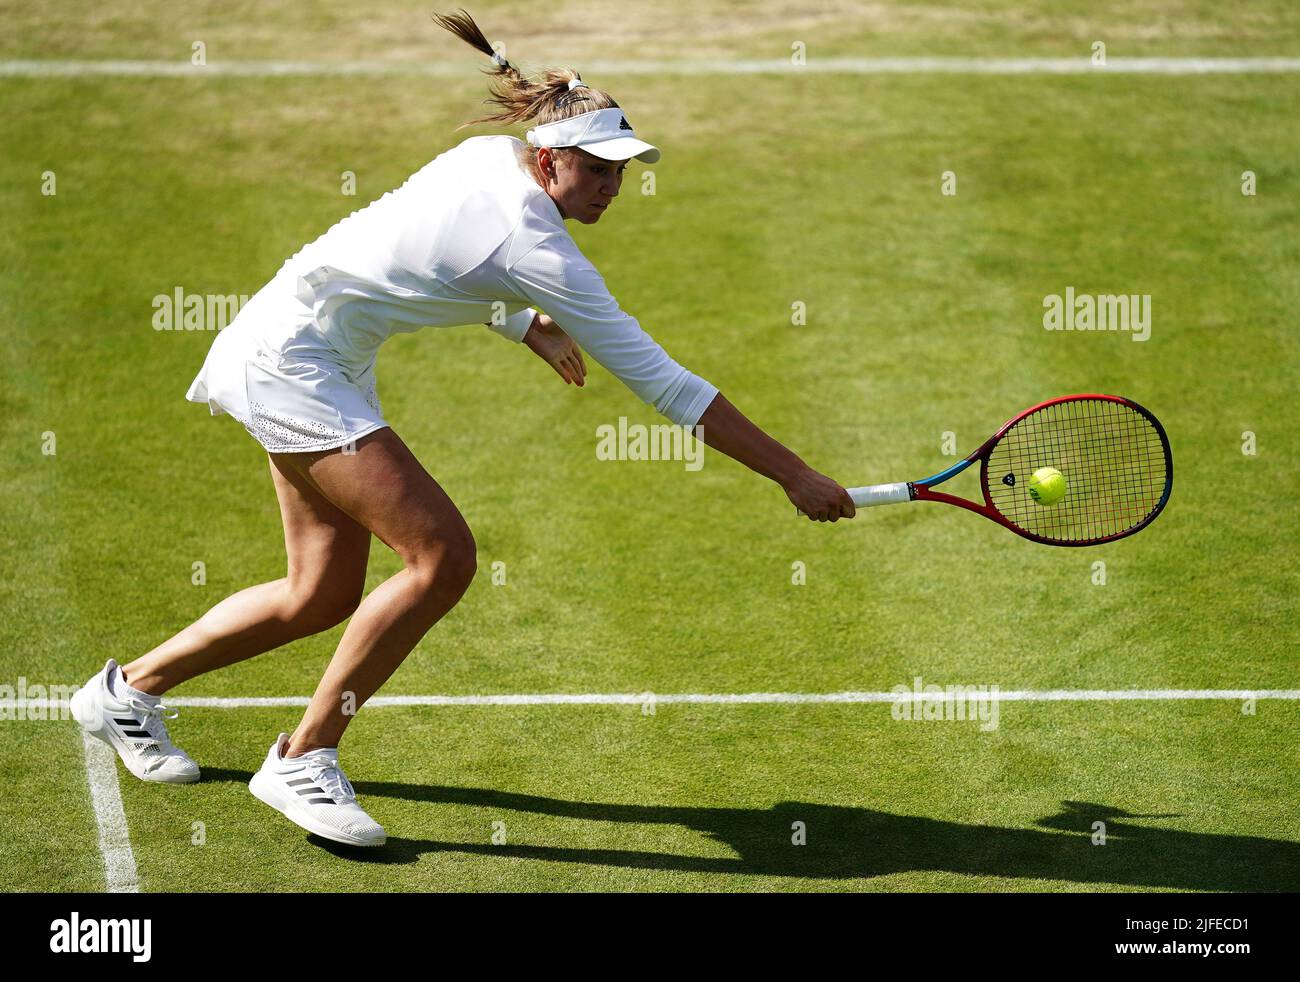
[469, 229]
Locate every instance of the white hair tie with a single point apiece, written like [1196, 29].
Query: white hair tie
[575, 82]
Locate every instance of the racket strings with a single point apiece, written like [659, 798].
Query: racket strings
[1114, 459]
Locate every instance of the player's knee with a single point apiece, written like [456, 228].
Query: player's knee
[458, 564]
[317, 608]
[446, 565]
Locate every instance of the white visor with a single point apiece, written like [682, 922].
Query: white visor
[606, 133]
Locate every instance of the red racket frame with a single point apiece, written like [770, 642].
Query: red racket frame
[920, 490]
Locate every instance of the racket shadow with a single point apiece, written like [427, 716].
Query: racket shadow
[861, 843]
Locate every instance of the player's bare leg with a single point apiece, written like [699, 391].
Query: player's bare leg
[327, 554]
[384, 488]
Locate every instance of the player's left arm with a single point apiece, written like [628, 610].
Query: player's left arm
[549, 342]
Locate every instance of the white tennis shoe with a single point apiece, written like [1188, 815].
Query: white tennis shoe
[313, 792]
[131, 722]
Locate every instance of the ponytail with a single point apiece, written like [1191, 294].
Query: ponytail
[545, 97]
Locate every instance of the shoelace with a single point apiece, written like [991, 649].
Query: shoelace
[151, 721]
[329, 776]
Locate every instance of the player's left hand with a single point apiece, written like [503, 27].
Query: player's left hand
[550, 343]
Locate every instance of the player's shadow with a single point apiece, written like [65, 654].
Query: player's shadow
[844, 842]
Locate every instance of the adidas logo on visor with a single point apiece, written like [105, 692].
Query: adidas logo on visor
[593, 129]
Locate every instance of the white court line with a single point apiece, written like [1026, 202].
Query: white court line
[637, 698]
[43, 68]
[114, 838]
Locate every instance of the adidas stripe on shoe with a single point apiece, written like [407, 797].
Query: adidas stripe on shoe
[313, 792]
[132, 724]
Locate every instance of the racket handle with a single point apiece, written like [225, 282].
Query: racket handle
[878, 494]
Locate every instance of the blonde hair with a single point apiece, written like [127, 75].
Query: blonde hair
[545, 97]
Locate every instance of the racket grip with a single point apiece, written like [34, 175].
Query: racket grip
[877, 494]
[880, 494]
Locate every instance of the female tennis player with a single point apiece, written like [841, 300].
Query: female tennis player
[476, 236]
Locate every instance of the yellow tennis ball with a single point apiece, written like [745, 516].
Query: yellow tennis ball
[1047, 486]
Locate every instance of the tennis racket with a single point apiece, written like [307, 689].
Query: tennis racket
[1113, 454]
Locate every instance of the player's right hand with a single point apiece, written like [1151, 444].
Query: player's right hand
[818, 497]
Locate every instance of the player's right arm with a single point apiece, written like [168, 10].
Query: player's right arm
[727, 430]
[557, 278]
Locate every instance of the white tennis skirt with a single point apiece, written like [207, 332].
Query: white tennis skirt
[301, 401]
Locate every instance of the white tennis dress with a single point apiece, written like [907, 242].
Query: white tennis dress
[469, 235]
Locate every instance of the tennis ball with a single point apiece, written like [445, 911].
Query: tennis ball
[1047, 486]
